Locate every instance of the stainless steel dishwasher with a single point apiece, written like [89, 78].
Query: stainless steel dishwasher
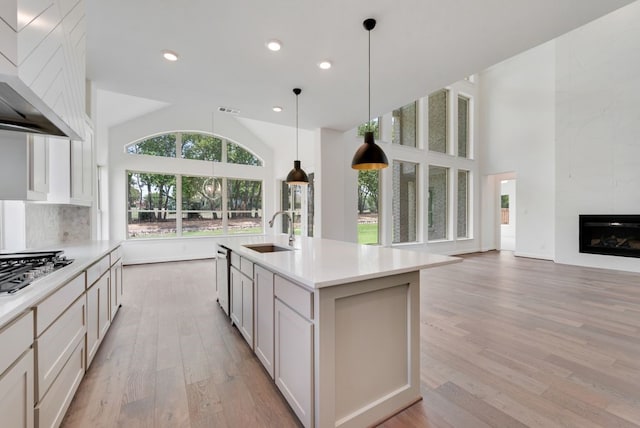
[223, 261]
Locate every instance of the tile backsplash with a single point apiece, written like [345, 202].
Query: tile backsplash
[48, 224]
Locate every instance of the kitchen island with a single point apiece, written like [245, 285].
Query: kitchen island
[336, 324]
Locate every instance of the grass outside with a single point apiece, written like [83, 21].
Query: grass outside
[367, 233]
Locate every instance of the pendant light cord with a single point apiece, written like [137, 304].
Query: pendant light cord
[369, 112]
[297, 155]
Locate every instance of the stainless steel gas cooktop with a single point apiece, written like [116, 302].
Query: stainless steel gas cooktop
[17, 270]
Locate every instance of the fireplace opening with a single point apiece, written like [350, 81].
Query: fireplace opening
[614, 235]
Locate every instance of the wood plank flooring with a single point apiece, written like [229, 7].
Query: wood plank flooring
[505, 342]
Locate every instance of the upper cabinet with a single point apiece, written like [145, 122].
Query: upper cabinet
[42, 57]
[24, 167]
[82, 169]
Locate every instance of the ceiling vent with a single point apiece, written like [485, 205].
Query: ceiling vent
[228, 110]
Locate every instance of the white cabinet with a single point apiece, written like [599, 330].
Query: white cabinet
[263, 325]
[294, 347]
[294, 360]
[60, 329]
[24, 166]
[16, 373]
[16, 393]
[115, 290]
[242, 304]
[82, 169]
[98, 313]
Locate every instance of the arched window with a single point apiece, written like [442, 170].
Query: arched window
[161, 205]
[193, 145]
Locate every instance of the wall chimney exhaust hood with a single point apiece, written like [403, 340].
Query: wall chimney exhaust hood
[17, 113]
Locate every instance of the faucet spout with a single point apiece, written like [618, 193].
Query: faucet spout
[289, 216]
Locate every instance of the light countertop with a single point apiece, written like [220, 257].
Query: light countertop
[84, 254]
[318, 263]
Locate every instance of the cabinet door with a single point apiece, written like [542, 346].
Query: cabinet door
[82, 170]
[16, 394]
[115, 289]
[263, 325]
[294, 360]
[236, 296]
[247, 310]
[38, 149]
[97, 315]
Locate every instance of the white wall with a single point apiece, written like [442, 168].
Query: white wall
[597, 130]
[517, 134]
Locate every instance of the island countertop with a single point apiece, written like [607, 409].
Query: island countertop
[318, 263]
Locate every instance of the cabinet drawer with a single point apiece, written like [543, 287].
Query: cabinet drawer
[298, 298]
[97, 269]
[15, 338]
[235, 260]
[49, 309]
[55, 346]
[116, 255]
[51, 409]
[246, 267]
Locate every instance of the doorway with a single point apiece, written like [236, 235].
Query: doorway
[508, 214]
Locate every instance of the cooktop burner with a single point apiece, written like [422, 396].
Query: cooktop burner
[17, 270]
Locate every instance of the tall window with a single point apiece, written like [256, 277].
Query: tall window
[404, 125]
[151, 205]
[463, 126]
[438, 124]
[405, 201]
[244, 206]
[438, 202]
[463, 204]
[201, 206]
[374, 126]
[310, 203]
[368, 200]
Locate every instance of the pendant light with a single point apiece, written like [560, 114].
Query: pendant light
[369, 155]
[297, 174]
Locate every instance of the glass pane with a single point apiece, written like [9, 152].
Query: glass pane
[368, 197]
[202, 147]
[310, 203]
[244, 206]
[296, 192]
[438, 121]
[405, 198]
[375, 124]
[463, 127]
[162, 145]
[239, 155]
[403, 130]
[463, 204]
[201, 206]
[285, 205]
[151, 205]
[438, 191]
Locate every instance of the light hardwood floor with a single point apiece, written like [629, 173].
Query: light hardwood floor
[506, 342]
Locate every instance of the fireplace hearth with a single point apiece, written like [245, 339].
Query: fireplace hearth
[613, 235]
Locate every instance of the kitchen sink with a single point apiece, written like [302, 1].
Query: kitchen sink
[267, 248]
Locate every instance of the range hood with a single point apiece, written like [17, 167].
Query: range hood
[18, 114]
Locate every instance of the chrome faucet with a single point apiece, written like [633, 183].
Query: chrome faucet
[288, 214]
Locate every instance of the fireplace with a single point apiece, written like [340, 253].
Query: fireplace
[613, 235]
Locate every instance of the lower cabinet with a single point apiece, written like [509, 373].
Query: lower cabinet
[294, 360]
[16, 394]
[263, 324]
[115, 290]
[242, 304]
[98, 312]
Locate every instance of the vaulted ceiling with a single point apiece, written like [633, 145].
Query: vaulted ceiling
[418, 46]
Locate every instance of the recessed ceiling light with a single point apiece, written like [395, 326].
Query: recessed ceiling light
[169, 55]
[277, 109]
[274, 45]
[325, 65]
